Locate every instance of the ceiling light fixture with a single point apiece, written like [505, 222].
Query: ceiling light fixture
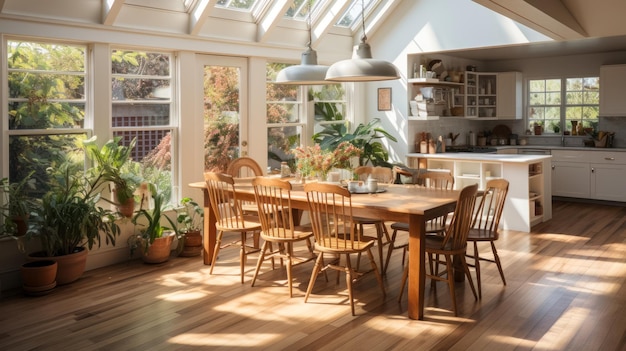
[308, 71]
[362, 68]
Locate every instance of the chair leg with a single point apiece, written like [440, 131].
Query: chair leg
[390, 251]
[497, 259]
[405, 276]
[348, 270]
[469, 276]
[242, 255]
[260, 261]
[450, 276]
[477, 267]
[379, 276]
[316, 269]
[289, 262]
[216, 250]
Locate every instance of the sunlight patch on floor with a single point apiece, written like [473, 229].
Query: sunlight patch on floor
[183, 295]
[227, 340]
[563, 330]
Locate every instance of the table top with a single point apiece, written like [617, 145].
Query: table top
[395, 204]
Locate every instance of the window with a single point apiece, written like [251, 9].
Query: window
[142, 108]
[293, 120]
[46, 106]
[556, 103]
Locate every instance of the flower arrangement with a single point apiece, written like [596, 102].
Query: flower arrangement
[312, 160]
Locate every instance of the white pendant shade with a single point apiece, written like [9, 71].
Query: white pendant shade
[362, 68]
[307, 72]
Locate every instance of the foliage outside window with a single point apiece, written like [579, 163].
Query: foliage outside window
[292, 120]
[141, 86]
[46, 105]
[554, 103]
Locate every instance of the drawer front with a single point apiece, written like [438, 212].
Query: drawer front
[608, 157]
[571, 155]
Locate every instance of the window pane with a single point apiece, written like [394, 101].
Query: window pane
[574, 98]
[282, 113]
[140, 63]
[141, 115]
[280, 141]
[552, 112]
[553, 85]
[537, 99]
[573, 112]
[591, 97]
[553, 98]
[38, 153]
[537, 85]
[46, 115]
[140, 89]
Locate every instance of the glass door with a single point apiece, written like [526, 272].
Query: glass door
[224, 110]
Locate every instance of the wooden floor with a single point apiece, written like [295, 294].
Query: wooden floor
[566, 291]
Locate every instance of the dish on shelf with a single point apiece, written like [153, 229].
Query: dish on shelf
[471, 175]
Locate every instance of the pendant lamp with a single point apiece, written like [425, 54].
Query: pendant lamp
[308, 71]
[362, 68]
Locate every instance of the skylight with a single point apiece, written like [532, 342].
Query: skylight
[242, 5]
[353, 13]
[299, 10]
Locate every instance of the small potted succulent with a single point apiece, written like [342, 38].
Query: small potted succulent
[190, 219]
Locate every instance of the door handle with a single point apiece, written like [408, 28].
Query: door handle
[610, 158]
[593, 170]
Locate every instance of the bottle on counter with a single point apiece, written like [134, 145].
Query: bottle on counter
[471, 139]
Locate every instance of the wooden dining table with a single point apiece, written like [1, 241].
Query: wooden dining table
[397, 202]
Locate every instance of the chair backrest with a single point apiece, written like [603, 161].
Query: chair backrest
[381, 174]
[244, 167]
[406, 175]
[436, 180]
[226, 207]
[489, 211]
[273, 197]
[330, 209]
[457, 231]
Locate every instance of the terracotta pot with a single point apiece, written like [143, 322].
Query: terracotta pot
[159, 251]
[70, 267]
[21, 222]
[39, 277]
[193, 244]
[127, 208]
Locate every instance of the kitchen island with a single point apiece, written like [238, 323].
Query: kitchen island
[529, 200]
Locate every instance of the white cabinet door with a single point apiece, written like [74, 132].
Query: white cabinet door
[613, 90]
[570, 179]
[608, 182]
[509, 95]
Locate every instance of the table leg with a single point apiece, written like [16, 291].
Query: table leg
[417, 273]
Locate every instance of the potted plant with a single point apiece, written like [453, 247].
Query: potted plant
[154, 239]
[190, 219]
[111, 163]
[69, 221]
[16, 205]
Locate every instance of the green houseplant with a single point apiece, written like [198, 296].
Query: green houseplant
[16, 205]
[111, 163]
[365, 137]
[154, 239]
[69, 221]
[190, 219]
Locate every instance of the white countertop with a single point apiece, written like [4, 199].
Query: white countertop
[555, 147]
[472, 156]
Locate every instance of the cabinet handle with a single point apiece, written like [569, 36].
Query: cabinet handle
[610, 158]
[553, 167]
[593, 170]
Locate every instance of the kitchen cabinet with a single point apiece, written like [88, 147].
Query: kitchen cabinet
[493, 95]
[598, 175]
[613, 90]
[529, 200]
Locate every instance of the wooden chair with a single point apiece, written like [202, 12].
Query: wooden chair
[432, 179]
[486, 222]
[330, 208]
[244, 167]
[452, 244]
[382, 175]
[230, 217]
[273, 197]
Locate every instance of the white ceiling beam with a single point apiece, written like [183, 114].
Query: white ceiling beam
[110, 10]
[269, 22]
[328, 20]
[549, 17]
[199, 15]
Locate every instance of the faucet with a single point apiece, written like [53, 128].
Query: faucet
[562, 140]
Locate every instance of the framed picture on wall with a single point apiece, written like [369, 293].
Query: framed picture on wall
[384, 99]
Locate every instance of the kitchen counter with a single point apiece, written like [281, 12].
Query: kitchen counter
[558, 147]
[529, 200]
[471, 156]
